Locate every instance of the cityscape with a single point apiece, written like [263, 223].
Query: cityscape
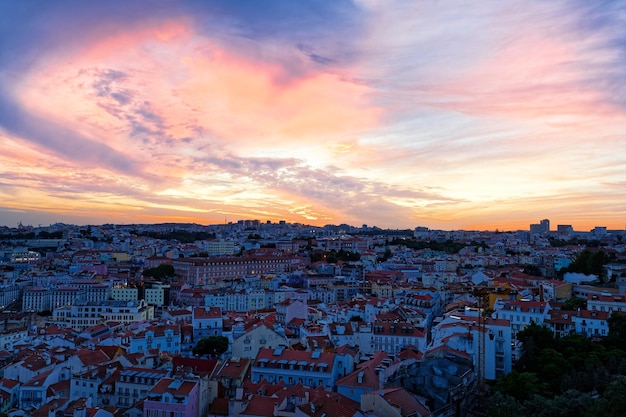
[255, 318]
[312, 208]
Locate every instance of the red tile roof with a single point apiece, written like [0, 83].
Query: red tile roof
[401, 398]
[165, 385]
[204, 313]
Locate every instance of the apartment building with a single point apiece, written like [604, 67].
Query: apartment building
[591, 323]
[83, 315]
[162, 337]
[312, 369]
[521, 313]
[198, 271]
[606, 302]
[133, 385]
[206, 321]
[172, 397]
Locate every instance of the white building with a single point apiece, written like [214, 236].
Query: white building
[36, 299]
[123, 293]
[521, 313]
[87, 314]
[486, 340]
[591, 323]
[257, 336]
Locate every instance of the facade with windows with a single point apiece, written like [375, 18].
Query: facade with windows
[196, 271]
[172, 397]
[88, 314]
[260, 336]
[206, 321]
[522, 313]
[591, 323]
[163, 337]
[312, 369]
[133, 385]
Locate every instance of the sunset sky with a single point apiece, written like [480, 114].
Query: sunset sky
[446, 114]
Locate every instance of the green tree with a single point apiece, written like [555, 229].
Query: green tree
[617, 331]
[615, 395]
[589, 262]
[502, 405]
[574, 304]
[212, 345]
[162, 271]
[534, 339]
[521, 385]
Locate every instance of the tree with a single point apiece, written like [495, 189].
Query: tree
[589, 262]
[520, 385]
[534, 338]
[615, 395]
[212, 345]
[160, 272]
[617, 331]
[574, 304]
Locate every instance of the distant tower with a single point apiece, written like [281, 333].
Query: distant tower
[545, 225]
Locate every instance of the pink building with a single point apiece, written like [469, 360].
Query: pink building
[172, 397]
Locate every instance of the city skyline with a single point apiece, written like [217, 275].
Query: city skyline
[467, 116]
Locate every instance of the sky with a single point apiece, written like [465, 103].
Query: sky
[462, 114]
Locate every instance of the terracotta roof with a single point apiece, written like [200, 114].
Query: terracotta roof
[219, 407]
[169, 385]
[259, 406]
[92, 357]
[399, 397]
[410, 353]
[204, 313]
[8, 383]
[39, 380]
[316, 358]
[330, 404]
[593, 314]
[234, 368]
[34, 363]
[44, 410]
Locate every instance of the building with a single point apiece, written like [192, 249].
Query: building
[290, 309]
[486, 340]
[157, 294]
[66, 296]
[553, 290]
[521, 313]
[393, 336]
[309, 368]
[591, 323]
[133, 385]
[172, 397]
[232, 374]
[199, 271]
[206, 321]
[606, 301]
[162, 337]
[255, 337]
[124, 293]
[393, 402]
[366, 378]
[541, 228]
[88, 314]
[36, 299]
